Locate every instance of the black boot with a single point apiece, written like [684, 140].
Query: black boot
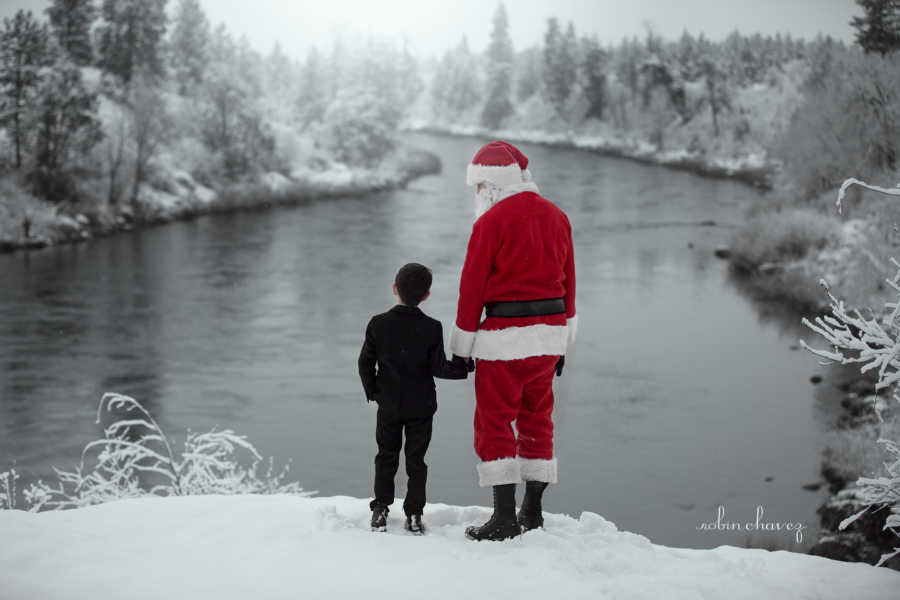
[502, 525]
[530, 516]
[414, 524]
[379, 517]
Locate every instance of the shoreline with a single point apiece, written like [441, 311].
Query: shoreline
[182, 199]
[866, 539]
[750, 170]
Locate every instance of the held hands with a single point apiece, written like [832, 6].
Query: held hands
[469, 362]
[560, 364]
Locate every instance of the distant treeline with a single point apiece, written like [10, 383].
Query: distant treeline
[98, 91]
[848, 123]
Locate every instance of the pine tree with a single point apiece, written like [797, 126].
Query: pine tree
[189, 55]
[71, 21]
[64, 119]
[23, 51]
[715, 77]
[456, 86]
[130, 35]
[593, 69]
[560, 67]
[528, 73]
[879, 29]
[311, 100]
[628, 59]
[499, 72]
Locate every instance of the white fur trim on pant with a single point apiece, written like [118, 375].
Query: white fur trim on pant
[513, 343]
[498, 472]
[501, 176]
[461, 342]
[572, 324]
[538, 469]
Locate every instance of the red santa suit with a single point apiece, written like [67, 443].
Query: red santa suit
[520, 250]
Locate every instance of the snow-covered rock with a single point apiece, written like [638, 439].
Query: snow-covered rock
[285, 546]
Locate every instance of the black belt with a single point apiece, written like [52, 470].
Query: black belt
[526, 308]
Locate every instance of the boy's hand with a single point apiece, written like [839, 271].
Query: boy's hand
[560, 364]
[469, 362]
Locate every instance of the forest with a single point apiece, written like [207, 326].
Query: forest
[111, 109]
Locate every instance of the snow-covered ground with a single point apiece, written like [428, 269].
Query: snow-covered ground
[284, 546]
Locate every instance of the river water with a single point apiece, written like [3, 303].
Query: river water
[681, 395]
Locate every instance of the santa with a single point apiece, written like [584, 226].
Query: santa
[520, 271]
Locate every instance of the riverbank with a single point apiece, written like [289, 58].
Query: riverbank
[785, 255]
[275, 546]
[27, 223]
[853, 452]
[753, 168]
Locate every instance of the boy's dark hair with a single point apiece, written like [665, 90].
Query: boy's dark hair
[413, 282]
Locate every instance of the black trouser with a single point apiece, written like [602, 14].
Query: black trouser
[389, 435]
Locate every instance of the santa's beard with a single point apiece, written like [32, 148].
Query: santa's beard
[486, 198]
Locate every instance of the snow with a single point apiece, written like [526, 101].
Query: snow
[284, 546]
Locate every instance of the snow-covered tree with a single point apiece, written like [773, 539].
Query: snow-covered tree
[278, 73]
[312, 98]
[560, 64]
[456, 87]
[629, 57]
[64, 120]
[360, 127]
[23, 51]
[71, 21]
[878, 30]
[130, 37]
[593, 68]
[497, 105]
[232, 123]
[149, 125]
[528, 72]
[189, 45]
[715, 80]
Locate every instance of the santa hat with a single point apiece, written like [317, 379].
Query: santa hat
[499, 163]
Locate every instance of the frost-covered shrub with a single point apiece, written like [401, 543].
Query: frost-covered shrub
[359, 128]
[135, 458]
[850, 122]
[873, 341]
[8, 489]
[777, 237]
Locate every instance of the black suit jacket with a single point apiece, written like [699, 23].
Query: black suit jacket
[408, 348]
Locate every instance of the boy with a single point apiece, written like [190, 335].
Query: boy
[408, 348]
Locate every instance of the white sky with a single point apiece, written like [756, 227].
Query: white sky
[431, 26]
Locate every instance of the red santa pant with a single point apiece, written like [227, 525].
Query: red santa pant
[514, 390]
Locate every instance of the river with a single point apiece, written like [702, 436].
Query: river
[681, 394]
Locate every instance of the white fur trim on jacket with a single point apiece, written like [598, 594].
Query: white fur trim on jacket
[572, 324]
[498, 472]
[538, 469]
[513, 343]
[461, 342]
[501, 176]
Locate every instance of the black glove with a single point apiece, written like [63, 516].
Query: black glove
[560, 364]
[470, 364]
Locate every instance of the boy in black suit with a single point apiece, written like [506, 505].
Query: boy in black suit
[408, 348]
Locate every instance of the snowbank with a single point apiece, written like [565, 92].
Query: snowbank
[176, 195]
[752, 167]
[293, 547]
